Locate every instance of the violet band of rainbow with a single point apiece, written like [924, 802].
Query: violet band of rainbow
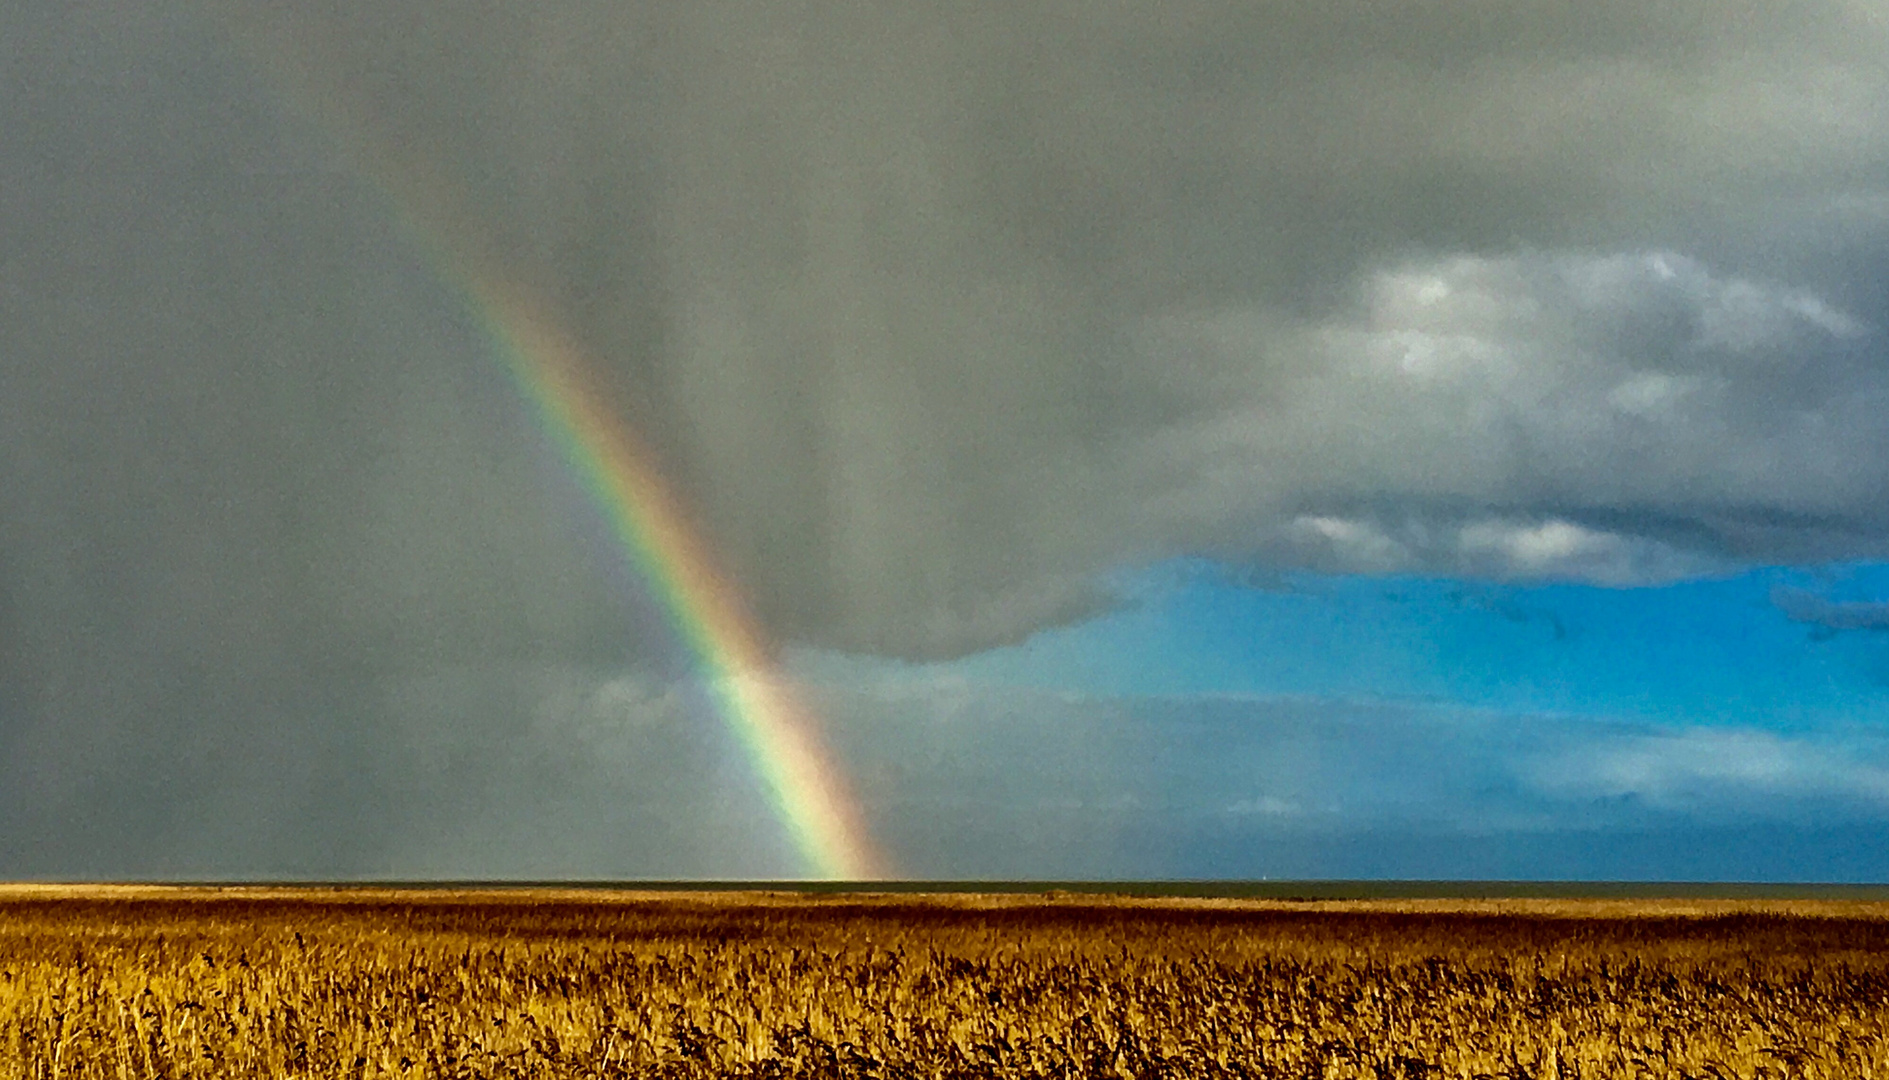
[806, 791]
[755, 699]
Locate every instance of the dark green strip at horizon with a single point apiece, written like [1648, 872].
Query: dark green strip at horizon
[1203, 889]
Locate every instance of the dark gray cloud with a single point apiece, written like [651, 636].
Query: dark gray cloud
[938, 310]
[1802, 605]
[932, 311]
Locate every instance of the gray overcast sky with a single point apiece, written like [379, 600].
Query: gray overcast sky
[937, 313]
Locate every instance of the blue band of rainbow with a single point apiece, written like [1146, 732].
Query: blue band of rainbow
[549, 370]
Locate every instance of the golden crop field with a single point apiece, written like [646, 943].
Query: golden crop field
[149, 982]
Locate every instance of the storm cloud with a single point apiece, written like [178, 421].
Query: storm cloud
[933, 312]
[938, 310]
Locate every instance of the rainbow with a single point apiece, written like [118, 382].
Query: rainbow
[751, 694]
[646, 519]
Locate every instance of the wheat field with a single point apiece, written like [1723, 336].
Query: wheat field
[154, 982]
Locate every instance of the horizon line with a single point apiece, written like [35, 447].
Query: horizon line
[1202, 888]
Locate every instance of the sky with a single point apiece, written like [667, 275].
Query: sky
[1196, 439]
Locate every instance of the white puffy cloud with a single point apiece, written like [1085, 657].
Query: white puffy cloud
[1724, 770]
[1608, 417]
[1266, 805]
[1562, 550]
[1507, 549]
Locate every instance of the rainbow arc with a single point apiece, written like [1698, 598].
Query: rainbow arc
[753, 697]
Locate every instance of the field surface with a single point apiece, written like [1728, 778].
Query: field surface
[146, 981]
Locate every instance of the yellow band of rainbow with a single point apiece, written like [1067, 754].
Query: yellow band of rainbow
[648, 525]
[753, 697]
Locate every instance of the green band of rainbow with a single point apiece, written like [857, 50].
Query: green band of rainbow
[753, 697]
[751, 694]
